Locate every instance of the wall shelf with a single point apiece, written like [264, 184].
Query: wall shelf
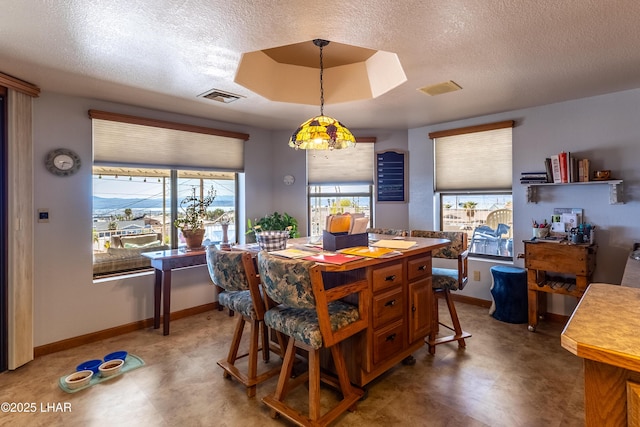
[615, 190]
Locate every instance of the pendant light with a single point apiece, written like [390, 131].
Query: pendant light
[322, 132]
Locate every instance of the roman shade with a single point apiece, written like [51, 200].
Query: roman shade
[130, 141]
[349, 166]
[476, 158]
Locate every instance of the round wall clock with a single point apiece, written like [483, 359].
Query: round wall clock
[288, 179]
[62, 162]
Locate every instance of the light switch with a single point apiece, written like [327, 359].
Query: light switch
[43, 215]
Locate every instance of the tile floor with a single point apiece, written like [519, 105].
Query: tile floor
[507, 376]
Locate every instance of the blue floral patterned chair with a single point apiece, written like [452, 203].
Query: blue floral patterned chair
[446, 280]
[388, 231]
[314, 318]
[235, 273]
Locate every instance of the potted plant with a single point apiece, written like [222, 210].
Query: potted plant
[273, 222]
[191, 222]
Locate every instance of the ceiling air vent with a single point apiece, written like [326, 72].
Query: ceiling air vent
[440, 88]
[221, 96]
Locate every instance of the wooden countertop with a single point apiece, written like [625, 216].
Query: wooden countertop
[605, 326]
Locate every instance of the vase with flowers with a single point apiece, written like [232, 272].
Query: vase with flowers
[191, 221]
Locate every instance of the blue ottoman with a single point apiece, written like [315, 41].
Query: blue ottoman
[509, 291]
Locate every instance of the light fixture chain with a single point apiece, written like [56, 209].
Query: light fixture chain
[321, 84]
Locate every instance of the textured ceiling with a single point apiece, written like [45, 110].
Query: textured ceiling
[163, 53]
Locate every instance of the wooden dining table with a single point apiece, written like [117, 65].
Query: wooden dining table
[400, 313]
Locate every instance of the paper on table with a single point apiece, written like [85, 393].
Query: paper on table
[371, 252]
[359, 225]
[331, 258]
[394, 244]
[292, 253]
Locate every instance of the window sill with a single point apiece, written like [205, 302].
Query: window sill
[120, 276]
[491, 258]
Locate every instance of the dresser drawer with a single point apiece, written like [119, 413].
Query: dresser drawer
[387, 306]
[386, 277]
[419, 266]
[388, 341]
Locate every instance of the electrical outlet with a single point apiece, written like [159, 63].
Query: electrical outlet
[476, 276]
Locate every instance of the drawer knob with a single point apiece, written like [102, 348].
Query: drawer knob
[390, 278]
[422, 268]
[390, 303]
[391, 337]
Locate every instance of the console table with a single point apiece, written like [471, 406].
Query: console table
[577, 260]
[164, 262]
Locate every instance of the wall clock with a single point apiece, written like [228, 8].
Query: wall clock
[62, 162]
[288, 179]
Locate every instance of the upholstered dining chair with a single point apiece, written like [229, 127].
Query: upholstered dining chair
[313, 318]
[445, 280]
[388, 231]
[235, 273]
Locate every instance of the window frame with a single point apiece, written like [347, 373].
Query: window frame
[441, 193]
[130, 142]
[369, 194]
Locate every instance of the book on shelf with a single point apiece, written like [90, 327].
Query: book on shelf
[555, 167]
[539, 177]
[586, 164]
[333, 258]
[533, 175]
[564, 173]
[533, 181]
[548, 169]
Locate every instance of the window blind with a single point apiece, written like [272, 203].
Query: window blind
[348, 166]
[121, 140]
[468, 160]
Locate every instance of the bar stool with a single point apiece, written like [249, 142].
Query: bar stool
[445, 280]
[314, 318]
[234, 271]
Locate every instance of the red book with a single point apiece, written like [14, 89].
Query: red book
[336, 258]
[564, 170]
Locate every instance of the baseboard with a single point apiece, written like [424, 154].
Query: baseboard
[469, 300]
[118, 330]
[551, 317]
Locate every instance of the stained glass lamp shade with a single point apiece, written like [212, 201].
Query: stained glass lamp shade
[321, 132]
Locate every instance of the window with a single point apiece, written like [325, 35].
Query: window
[340, 181]
[142, 170]
[328, 200]
[473, 179]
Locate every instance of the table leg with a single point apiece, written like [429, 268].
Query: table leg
[166, 301]
[532, 296]
[157, 295]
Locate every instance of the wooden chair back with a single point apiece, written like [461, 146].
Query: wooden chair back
[457, 250]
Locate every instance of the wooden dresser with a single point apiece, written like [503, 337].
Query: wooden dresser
[400, 317]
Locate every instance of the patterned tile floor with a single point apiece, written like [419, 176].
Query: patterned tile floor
[507, 376]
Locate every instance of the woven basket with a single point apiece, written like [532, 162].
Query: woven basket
[272, 240]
